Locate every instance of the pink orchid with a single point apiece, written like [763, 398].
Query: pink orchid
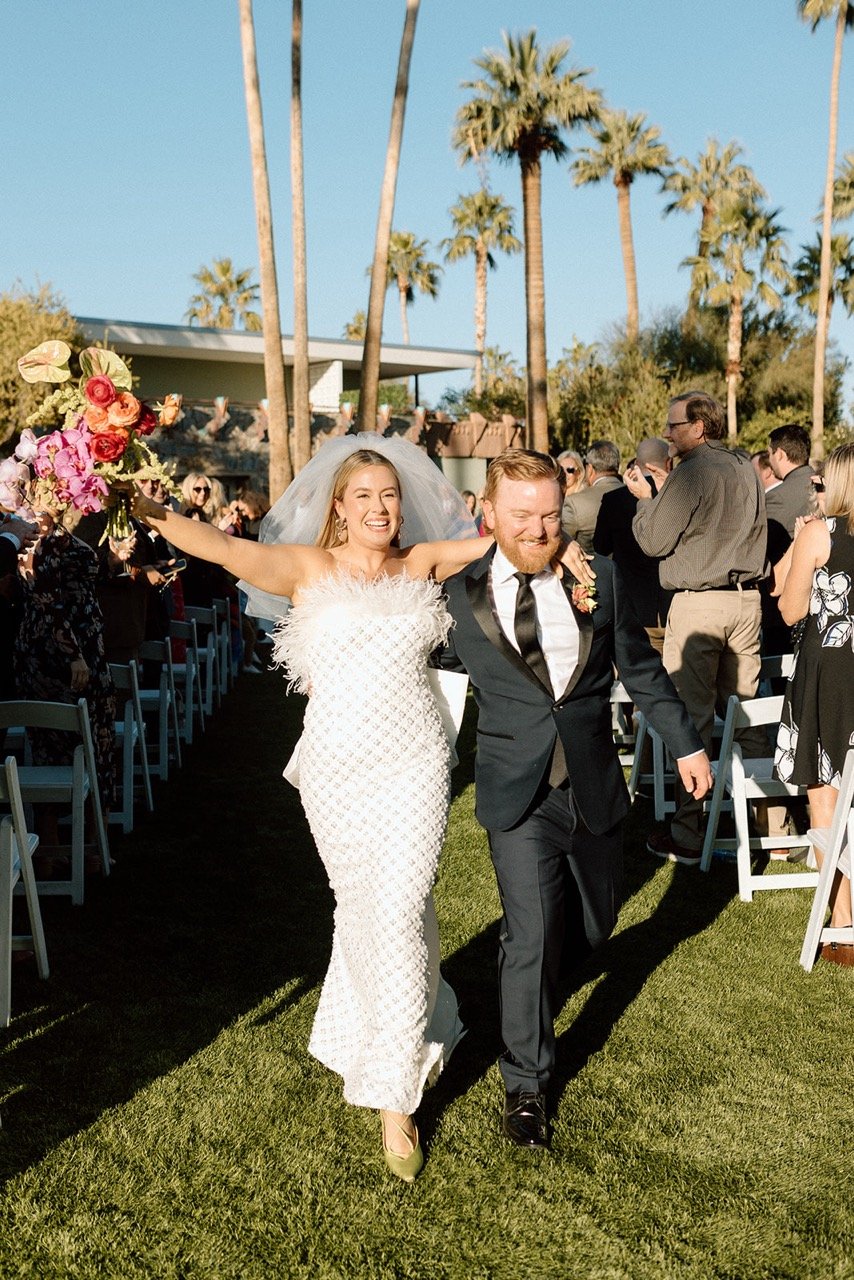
[86, 493]
[14, 477]
[27, 446]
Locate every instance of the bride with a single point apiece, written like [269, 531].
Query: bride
[374, 761]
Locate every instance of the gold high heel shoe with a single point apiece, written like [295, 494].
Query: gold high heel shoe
[405, 1167]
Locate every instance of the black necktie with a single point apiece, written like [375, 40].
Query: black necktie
[525, 628]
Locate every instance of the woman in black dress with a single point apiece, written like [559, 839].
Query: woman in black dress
[59, 651]
[816, 581]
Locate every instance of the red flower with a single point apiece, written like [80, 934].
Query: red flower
[584, 598]
[100, 390]
[146, 422]
[107, 446]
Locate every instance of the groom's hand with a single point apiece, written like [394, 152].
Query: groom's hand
[696, 774]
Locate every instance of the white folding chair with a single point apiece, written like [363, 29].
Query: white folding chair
[745, 781]
[188, 675]
[131, 743]
[63, 784]
[622, 724]
[227, 668]
[162, 702]
[831, 841]
[208, 651]
[17, 846]
[663, 774]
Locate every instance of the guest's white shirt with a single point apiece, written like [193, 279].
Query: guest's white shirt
[557, 630]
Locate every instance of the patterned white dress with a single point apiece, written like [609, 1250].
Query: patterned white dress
[374, 782]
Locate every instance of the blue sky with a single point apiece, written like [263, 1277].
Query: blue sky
[125, 155]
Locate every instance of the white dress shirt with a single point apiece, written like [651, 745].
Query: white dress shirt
[557, 630]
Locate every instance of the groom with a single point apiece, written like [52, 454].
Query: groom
[550, 790]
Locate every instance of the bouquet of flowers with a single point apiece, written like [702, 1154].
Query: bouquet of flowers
[101, 449]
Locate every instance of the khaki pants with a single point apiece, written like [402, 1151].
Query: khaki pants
[711, 651]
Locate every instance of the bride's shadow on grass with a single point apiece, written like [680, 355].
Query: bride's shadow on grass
[217, 901]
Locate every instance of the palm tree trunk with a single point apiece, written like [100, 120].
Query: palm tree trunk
[403, 290]
[824, 274]
[281, 473]
[480, 277]
[537, 426]
[733, 363]
[690, 321]
[302, 409]
[370, 373]
[627, 246]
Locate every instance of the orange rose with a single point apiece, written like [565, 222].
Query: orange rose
[96, 418]
[124, 410]
[169, 409]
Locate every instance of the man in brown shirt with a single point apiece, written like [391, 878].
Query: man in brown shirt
[707, 524]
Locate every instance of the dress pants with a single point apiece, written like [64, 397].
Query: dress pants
[560, 889]
[711, 651]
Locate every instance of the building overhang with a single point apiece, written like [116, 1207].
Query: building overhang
[189, 342]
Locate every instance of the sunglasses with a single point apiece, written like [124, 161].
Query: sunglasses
[571, 471]
[200, 488]
[818, 485]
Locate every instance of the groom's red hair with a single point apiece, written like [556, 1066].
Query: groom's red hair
[521, 464]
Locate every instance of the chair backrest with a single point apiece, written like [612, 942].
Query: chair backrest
[742, 715]
[10, 794]
[43, 715]
[778, 665]
[202, 616]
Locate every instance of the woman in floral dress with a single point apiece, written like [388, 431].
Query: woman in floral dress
[815, 579]
[59, 652]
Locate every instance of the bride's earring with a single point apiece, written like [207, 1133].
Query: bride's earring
[341, 527]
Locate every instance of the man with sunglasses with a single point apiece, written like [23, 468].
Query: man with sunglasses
[707, 525]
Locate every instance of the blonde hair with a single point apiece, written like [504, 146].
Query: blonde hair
[839, 484]
[215, 499]
[579, 480]
[521, 464]
[331, 532]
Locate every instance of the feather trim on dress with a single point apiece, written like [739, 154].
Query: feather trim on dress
[341, 596]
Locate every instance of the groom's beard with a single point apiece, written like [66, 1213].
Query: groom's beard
[523, 554]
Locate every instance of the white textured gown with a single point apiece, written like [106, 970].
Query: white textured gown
[374, 782]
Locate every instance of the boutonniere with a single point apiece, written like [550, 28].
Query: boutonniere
[584, 598]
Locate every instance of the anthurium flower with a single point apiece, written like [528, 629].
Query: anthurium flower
[48, 362]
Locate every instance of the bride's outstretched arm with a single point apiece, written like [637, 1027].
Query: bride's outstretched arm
[277, 569]
[447, 558]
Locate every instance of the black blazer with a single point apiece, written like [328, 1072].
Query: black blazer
[614, 537]
[519, 718]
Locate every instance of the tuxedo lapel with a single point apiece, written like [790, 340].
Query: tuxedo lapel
[585, 638]
[477, 590]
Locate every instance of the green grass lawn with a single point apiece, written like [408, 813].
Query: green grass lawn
[162, 1118]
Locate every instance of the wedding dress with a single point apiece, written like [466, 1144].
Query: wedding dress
[374, 781]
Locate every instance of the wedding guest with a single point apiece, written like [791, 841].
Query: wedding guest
[59, 650]
[572, 466]
[602, 474]
[204, 499]
[707, 526]
[814, 581]
[15, 536]
[471, 501]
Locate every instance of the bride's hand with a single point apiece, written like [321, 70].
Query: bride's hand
[144, 508]
[573, 557]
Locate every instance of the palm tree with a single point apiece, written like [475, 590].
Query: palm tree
[410, 269]
[302, 408]
[482, 222]
[814, 11]
[843, 188]
[280, 471]
[225, 298]
[626, 146]
[806, 274]
[718, 175]
[370, 374]
[354, 330]
[519, 107]
[745, 250]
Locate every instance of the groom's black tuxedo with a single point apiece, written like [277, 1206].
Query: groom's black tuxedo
[520, 718]
[557, 851]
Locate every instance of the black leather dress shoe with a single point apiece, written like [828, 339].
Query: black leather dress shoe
[525, 1120]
